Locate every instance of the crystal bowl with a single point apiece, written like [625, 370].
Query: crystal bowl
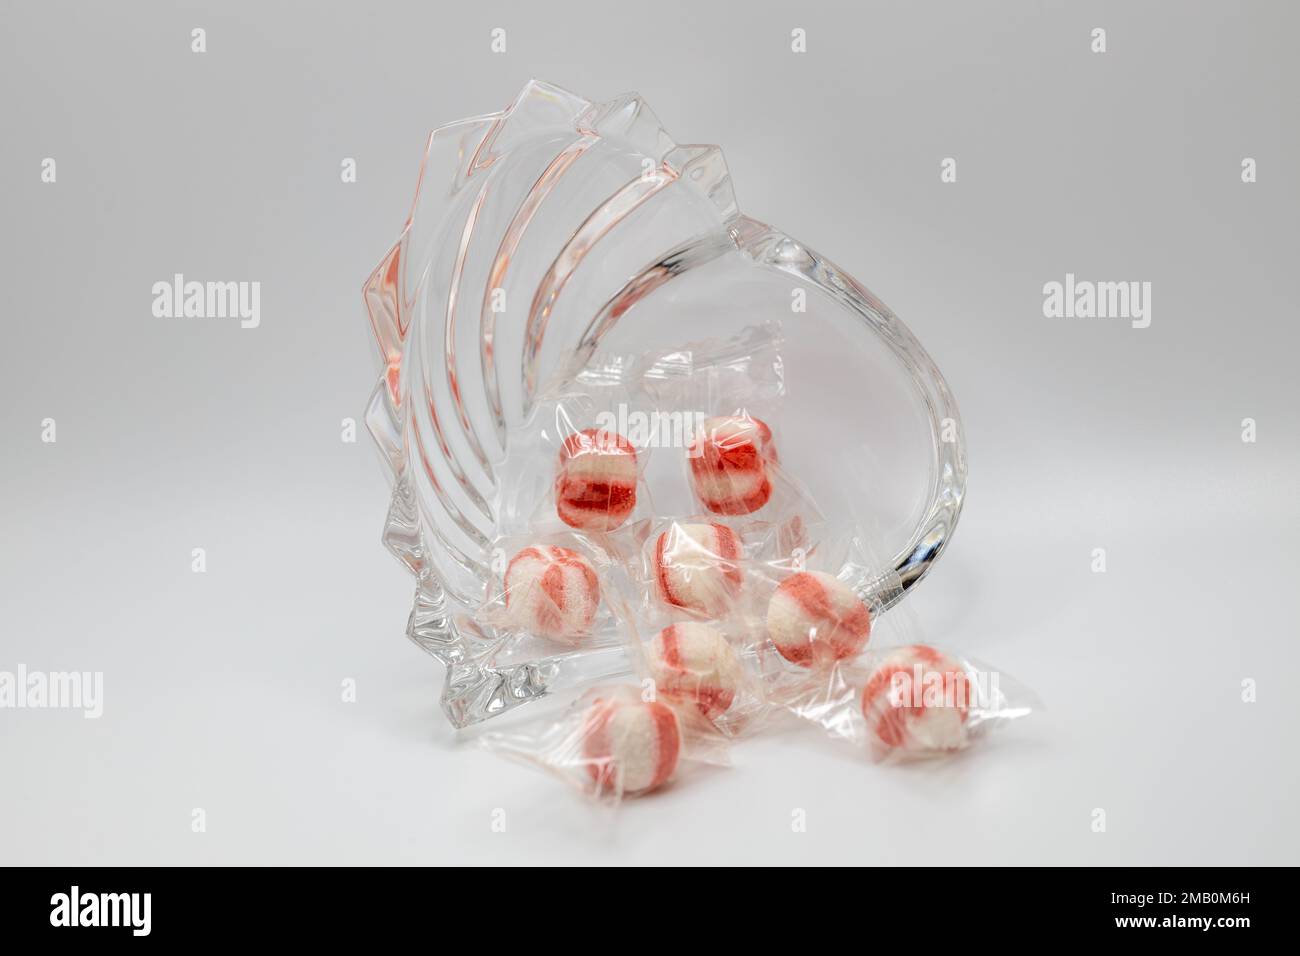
[560, 224]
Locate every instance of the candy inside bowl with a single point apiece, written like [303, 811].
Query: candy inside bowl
[557, 232]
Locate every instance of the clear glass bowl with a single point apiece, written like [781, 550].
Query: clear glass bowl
[539, 232]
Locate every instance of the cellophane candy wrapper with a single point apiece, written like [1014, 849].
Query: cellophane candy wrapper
[616, 741]
[692, 616]
[554, 592]
[571, 466]
[911, 702]
[812, 609]
[729, 395]
[828, 652]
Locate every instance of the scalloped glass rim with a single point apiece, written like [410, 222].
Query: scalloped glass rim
[447, 395]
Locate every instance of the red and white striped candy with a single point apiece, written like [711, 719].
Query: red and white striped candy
[630, 745]
[552, 592]
[816, 618]
[917, 700]
[696, 567]
[693, 663]
[595, 487]
[729, 464]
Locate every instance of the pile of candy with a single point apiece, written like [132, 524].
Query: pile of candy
[747, 608]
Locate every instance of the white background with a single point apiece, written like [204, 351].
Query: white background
[222, 690]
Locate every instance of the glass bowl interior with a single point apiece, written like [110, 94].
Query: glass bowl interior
[560, 228]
